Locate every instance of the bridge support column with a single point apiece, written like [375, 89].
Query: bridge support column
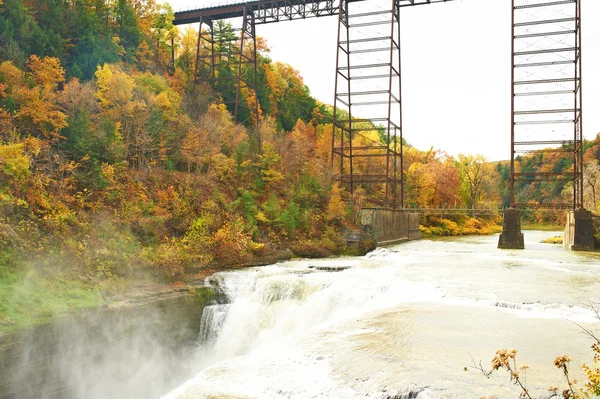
[511, 236]
[579, 231]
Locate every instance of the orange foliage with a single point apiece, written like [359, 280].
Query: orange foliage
[46, 72]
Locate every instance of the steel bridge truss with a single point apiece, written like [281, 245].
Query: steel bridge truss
[276, 11]
[268, 11]
[547, 92]
[367, 124]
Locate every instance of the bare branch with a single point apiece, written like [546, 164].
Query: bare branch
[480, 366]
[587, 332]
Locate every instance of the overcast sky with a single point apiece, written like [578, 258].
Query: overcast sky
[455, 67]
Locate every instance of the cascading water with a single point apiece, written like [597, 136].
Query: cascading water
[280, 301]
[396, 323]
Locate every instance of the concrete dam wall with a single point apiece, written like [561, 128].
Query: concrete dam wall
[381, 226]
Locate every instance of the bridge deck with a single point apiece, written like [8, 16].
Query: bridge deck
[268, 11]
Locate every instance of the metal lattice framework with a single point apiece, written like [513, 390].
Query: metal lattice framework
[546, 92]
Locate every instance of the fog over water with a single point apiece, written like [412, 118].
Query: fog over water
[402, 320]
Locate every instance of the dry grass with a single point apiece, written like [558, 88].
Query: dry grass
[553, 240]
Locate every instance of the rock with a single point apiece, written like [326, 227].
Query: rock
[329, 268]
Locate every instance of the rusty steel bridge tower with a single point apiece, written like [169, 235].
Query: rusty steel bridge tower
[367, 105]
[546, 106]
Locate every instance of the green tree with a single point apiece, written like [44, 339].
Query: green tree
[15, 31]
[91, 46]
[130, 35]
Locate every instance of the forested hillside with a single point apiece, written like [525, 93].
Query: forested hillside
[115, 165]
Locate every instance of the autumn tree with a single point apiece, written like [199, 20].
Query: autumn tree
[191, 148]
[35, 106]
[335, 210]
[446, 181]
[591, 185]
[420, 186]
[475, 174]
[269, 164]
[186, 52]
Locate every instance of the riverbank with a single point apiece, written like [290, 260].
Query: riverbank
[29, 296]
[543, 227]
[460, 225]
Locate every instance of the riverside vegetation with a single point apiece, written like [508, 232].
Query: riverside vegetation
[115, 166]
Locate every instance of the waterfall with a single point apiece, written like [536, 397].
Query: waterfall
[387, 325]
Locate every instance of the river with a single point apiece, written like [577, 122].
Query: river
[401, 322]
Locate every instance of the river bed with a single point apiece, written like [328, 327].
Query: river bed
[403, 321]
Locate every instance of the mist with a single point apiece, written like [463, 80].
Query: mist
[137, 351]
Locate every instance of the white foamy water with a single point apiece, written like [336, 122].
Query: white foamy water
[400, 321]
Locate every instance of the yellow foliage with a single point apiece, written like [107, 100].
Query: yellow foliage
[41, 110]
[165, 104]
[252, 102]
[224, 166]
[335, 207]
[368, 138]
[11, 74]
[115, 88]
[143, 55]
[231, 242]
[13, 161]
[269, 163]
[261, 217]
[107, 172]
[472, 226]
[191, 147]
[593, 374]
[421, 185]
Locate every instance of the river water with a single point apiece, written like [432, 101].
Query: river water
[401, 322]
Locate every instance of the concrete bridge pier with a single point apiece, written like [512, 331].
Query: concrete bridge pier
[579, 230]
[511, 236]
[380, 226]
